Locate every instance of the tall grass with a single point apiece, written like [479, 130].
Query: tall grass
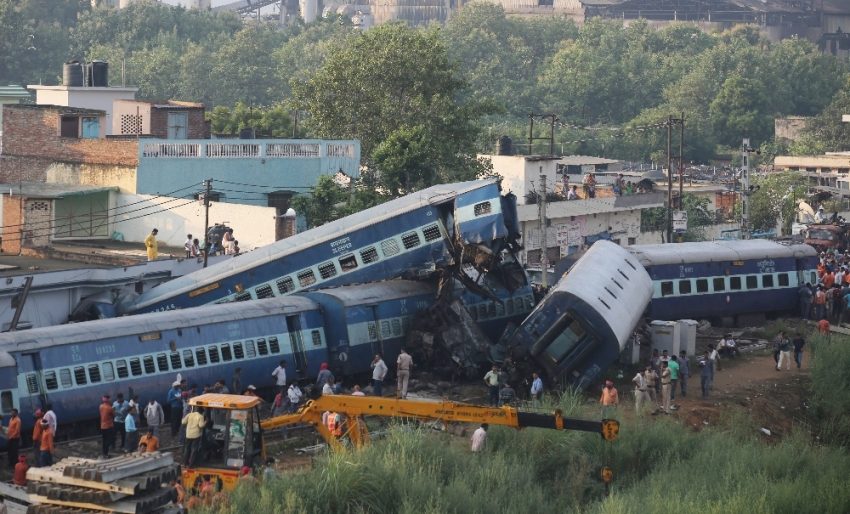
[656, 463]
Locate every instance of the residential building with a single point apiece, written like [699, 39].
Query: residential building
[10, 95]
[99, 98]
[162, 119]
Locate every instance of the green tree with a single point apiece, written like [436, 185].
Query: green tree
[699, 217]
[323, 203]
[774, 200]
[274, 122]
[826, 132]
[404, 87]
[741, 109]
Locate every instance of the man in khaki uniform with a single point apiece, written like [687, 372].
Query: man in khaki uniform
[150, 244]
[403, 365]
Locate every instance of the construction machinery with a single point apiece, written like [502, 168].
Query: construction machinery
[233, 435]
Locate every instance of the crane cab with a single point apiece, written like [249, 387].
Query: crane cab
[231, 438]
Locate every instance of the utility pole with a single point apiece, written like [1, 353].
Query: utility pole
[544, 258]
[745, 189]
[552, 119]
[681, 165]
[207, 189]
[295, 125]
[669, 184]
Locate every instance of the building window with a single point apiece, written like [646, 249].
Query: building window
[91, 128]
[70, 126]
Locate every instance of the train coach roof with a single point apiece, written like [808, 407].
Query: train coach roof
[717, 251]
[153, 322]
[377, 291]
[313, 237]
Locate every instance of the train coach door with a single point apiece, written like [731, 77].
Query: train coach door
[801, 272]
[30, 383]
[296, 342]
[376, 338]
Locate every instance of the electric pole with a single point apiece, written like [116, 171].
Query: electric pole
[544, 258]
[207, 189]
[669, 184]
[681, 165]
[745, 189]
[552, 119]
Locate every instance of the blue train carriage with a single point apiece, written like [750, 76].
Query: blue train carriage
[725, 278]
[584, 322]
[364, 320]
[71, 366]
[494, 316]
[411, 235]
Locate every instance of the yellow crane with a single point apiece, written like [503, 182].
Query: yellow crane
[233, 435]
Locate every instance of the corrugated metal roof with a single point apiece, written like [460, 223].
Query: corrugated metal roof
[14, 92]
[44, 190]
[151, 323]
[580, 160]
[61, 109]
[716, 251]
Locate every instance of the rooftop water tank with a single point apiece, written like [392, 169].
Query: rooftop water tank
[72, 74]
[504, 146]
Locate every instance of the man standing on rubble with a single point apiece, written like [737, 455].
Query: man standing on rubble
[379, 371]
[403, 367]
[491, 380]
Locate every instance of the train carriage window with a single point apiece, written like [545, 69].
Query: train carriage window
[32, 383]
[189, 358]
[767, 281]
[327, 270]
[237, 351]
[491, 309]
[473, 312]
[431, 232]
[783, 280]
[226, 354]
[273, 345]
[244, 297]
[121, 366]
[667, 288]
[702, 285]
[405, 325]
[814, 279]
[684, 287]
[389, 247]
[519, 306]
[65, 378]
[719, 284]
[482, 311]
[500, 309]
[752, 282]
[482, 208]
[529, 300]
[373, 331]
[385, 329]
[148, 362]
[50, 381]
[249, 349]
[264, 292]
[80, 375]
[285, 285]
[306, 278]
[348, 263]
[510, 305]
[162, 362]
[410, 240]
[317, 338]
[369, 255]
[213, 351]
[108, 371]
[201, 354]
[735, 283]
[94, 373]
[566, 341]
[262, 347]
[396, 327]
[6, 402]
[176, 363]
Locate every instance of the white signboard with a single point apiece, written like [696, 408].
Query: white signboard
[680, 221]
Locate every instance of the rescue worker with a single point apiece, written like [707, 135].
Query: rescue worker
[610, 398]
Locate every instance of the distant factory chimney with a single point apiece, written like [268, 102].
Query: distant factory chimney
[308, 10]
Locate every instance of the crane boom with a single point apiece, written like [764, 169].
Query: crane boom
[446, 411]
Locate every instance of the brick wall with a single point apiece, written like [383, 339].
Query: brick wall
[31, 143]
[30, 231]
[11, 243]
[196, 128]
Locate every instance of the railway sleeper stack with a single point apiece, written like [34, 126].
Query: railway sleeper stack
[136, 483]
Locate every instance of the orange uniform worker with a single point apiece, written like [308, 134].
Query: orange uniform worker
[610, 398]
[13, 438]
[150, 441]
[36, 437]
[21, 469]
[46, 458]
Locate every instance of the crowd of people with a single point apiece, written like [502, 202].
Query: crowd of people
[622, 187]
[828, 298]
[194, 248]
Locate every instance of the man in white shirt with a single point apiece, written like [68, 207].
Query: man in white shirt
[294, 394]
[188, 246]
[536, 390]
[379, 371]
[479, 438]
[280, 374]
[403, 365]
[641, 391]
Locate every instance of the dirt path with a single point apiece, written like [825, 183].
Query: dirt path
[774, 399]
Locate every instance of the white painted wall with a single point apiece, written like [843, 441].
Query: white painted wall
[85, 97]
[518, 173]
[253, 226]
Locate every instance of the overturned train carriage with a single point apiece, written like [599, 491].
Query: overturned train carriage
[581, 327]
[433, 229]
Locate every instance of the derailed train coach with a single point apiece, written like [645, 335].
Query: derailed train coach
[584, 322]
[437, 228]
